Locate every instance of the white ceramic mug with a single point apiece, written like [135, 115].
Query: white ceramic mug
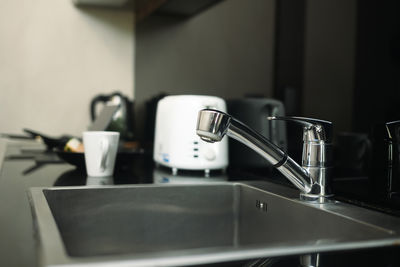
[100, 152]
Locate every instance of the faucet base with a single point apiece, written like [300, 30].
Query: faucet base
[317, 198]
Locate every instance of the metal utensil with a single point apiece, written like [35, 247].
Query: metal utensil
[50, 142]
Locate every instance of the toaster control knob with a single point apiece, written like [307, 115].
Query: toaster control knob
[209, 154]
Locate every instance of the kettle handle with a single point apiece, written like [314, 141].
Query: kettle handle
[101, 99]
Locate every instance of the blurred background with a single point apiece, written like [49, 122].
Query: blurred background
[332, 59]
[55, 57]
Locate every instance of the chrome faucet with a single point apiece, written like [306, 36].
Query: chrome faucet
[311, 178]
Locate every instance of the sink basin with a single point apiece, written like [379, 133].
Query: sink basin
[172, 225]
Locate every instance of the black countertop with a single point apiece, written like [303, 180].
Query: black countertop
[27, 164]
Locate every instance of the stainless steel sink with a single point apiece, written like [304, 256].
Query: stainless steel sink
[172, 225]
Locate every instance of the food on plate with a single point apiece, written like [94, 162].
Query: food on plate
[74, 145]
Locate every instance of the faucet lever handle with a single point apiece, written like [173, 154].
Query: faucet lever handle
[393, 130]
[313, 129]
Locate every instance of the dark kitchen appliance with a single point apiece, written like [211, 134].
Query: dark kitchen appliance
[254, 112]
[352, 155]
[122, 120]
[386, 159]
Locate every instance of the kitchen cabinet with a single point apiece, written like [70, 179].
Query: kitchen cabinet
[144, 8]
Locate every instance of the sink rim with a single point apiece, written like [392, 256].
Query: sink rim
[54, 252]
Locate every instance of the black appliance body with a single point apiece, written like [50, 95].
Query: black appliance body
[255, 112]
[123, 119]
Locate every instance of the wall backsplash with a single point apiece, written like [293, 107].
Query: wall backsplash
[226, 51]
[55, 57]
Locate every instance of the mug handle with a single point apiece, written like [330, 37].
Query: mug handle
[104, 153]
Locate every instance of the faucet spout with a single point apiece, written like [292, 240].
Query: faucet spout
[213, 125]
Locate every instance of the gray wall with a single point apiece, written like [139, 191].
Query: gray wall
[54, 57]
[329, 68]
[226, 51]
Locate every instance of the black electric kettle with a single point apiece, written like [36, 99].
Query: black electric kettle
[122, 120]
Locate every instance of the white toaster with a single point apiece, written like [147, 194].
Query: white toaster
[176, 144]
